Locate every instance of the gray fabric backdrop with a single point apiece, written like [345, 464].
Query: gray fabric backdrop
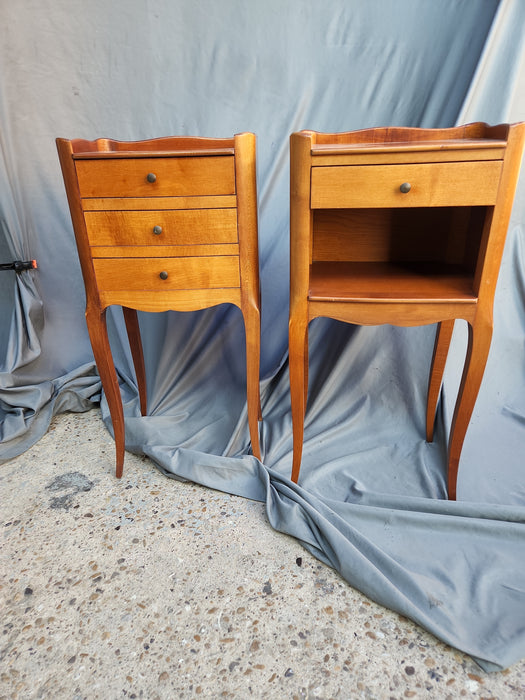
[371, 500]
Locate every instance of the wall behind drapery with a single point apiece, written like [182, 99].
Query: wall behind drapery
[146, 68]
[141, 69]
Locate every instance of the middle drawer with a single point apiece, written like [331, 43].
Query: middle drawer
[172, 227]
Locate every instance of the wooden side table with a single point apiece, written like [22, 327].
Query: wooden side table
[406, 227]
[168, 223]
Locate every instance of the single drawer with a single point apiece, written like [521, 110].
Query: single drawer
[163, 274]
[470, 183]
[160, 228]
[156, 177]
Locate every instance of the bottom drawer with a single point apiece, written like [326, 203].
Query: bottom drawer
[144, 274]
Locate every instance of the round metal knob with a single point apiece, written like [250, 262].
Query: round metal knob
[405, 187]
[157, 230]
[151, 177]
[163, 275]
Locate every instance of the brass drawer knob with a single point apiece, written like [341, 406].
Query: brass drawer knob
[151, 177]
[163, 275]
[157, 230]
[405, 187]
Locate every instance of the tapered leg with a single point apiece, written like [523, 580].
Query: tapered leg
[98, 334]
[252, 324]
[479, 339]
[298, 363]
[135, 344]
[439, 359]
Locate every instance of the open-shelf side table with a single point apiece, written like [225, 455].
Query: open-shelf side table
[406, 227]
[164, 224]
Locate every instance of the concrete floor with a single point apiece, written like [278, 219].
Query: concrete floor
[152, 588]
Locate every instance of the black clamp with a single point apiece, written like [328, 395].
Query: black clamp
[19, 266]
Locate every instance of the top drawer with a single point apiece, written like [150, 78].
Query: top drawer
[428, 184]
[156, 177]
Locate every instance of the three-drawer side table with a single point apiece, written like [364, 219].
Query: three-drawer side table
[406, 227]
[164, 224]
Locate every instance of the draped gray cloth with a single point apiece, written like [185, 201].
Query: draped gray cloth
[372, 495]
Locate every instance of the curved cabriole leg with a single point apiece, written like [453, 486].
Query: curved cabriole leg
[252, 325]
[298, 364]
[479, 339]
[437, 368]
[98, 334]
[135, 344]
[259, 414]
[306, 354]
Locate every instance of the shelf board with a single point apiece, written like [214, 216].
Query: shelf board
[390, 282]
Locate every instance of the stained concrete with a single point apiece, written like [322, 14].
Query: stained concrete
[152, 588]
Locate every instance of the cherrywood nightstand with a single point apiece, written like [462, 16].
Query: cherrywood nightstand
[168, 223]
[406, 227]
